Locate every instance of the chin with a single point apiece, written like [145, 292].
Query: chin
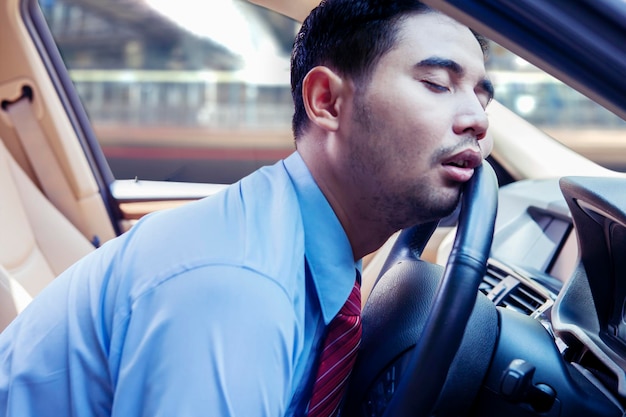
[444, 208]
[421, 213]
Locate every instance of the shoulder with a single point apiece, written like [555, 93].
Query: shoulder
[253, 225]
[234, 330]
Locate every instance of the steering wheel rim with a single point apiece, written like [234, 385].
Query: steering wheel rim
[453, 302]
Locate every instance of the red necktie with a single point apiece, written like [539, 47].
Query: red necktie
[341, 344]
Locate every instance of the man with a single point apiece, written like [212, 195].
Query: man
[221, 307]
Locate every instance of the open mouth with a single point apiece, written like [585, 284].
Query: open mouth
[466, 159]
[459, 164]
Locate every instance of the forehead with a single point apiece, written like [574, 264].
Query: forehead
[435, 34]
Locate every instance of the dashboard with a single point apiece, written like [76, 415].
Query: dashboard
[534, 231]
[591, 308]
[562, 245]
[555, 342]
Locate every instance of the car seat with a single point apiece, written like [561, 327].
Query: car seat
[37, 242]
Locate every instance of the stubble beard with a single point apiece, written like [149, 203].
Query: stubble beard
[394, 204]
[416, 206]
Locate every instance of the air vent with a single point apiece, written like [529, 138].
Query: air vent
[509, 289]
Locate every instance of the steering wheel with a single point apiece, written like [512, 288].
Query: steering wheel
[443, 315]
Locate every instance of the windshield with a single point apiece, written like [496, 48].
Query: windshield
[177, 94]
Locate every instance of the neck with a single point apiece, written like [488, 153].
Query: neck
[365, 231]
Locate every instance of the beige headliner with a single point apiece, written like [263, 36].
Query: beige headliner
[296, 9]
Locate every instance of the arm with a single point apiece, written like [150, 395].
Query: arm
[213, 341]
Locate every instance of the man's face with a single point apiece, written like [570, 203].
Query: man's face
[415, 130]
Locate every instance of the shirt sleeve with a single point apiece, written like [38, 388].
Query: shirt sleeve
[216, 341]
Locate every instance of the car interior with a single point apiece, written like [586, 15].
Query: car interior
[512, 306]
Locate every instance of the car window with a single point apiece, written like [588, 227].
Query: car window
[181, 95]
[174, 94]
[562, 112]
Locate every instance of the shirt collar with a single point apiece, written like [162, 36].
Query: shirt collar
[327, 248]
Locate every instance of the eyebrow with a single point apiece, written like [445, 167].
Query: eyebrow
[454, 67]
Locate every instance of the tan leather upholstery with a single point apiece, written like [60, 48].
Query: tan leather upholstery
[13, 298]
[36, 241]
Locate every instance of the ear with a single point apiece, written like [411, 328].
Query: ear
[322, 91]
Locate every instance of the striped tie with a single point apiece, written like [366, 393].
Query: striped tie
[336, 360]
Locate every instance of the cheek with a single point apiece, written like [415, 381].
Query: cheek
[486, 144]
[416, 116]
[405, 126]
[419, 135]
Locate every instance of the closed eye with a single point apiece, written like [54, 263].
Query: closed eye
[435, 87]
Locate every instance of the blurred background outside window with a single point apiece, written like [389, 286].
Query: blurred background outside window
[181, 92]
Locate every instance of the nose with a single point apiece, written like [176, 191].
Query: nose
[471, 119]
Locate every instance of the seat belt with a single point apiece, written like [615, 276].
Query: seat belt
[44, 163]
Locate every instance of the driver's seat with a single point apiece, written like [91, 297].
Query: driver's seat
[37, 242]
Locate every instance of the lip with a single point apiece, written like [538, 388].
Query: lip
[460, 166]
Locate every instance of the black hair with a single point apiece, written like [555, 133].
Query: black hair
[350, 37]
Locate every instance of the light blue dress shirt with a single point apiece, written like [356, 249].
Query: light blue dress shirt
[203, 310]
